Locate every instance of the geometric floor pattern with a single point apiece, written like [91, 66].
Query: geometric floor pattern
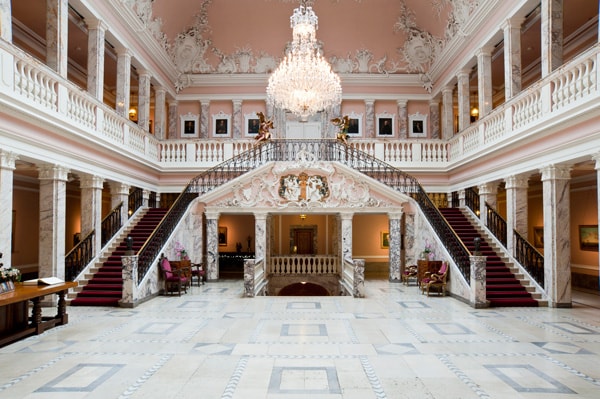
[395, 343]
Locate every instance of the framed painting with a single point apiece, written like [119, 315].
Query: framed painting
[189, 125]
[588, 237]
[417, 125]
[384, 239]
[355, 124]
[221, 125]
[538, 236]
[222, 236]
[252, 123]
[385, 125]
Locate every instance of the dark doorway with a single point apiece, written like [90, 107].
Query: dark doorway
[303, 289]
[303, 238]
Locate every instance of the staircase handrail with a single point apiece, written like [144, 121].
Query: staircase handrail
[530, 258]
[496, 224]
[135, 200]
[472, 200]
[111, 224]
[79, 256]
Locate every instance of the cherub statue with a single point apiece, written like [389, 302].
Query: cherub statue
[263, 128]
[342, 124]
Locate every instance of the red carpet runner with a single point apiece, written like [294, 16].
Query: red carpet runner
[105, 288]
[502, 288]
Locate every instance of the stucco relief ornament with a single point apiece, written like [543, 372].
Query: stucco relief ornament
[363, 58]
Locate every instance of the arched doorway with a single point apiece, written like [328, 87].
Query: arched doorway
[303, 289]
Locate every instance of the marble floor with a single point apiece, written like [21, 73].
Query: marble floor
[396, 343]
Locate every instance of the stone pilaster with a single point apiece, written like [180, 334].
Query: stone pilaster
[130, 294]
[204, 114]
[552, 35]
[409, 240]
[172, 129]
[512, 57]
[160, 114]
[557, 230]
[7, 167]
[395, 229]
[434, 115]
[484, 80]
[464, 112]
[212, 246]
[345, 237]
[57, 38]
[237, 116]
[462, 198]
[369, 119]
[359, 278]
[516, 209]
[91, 209]
[260, 236]
[478, 285]
[6, 20]
[95, 60]
[402, 119]
[119, 194]
[53, 182]
[144, 99]
[146, 198]
[488, 193]
[123, 81]
[447, 113]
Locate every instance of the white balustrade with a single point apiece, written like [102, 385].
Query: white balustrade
[304, 264]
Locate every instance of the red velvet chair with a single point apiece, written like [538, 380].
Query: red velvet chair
[198, 273]
[409, 273]
[175, 279]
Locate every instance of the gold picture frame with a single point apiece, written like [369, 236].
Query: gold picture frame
[588, 237]
[222, 236]
[384, 239]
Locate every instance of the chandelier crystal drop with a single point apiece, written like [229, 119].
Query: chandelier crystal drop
[304, 83]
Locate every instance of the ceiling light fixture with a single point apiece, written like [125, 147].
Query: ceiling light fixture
[304, 83]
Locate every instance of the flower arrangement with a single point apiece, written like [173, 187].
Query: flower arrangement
[428, 251]
[9, 274]
[180, 250]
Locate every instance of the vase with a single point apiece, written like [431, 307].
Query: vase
[7, 286]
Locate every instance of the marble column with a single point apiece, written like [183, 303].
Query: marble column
[53, 184]
[516, 209]
[557, 230]
[552, 35]
[596, 158]
[260, 236]
[369, 119]
[409, 240]
[402, 119]
[512, 57]
[119, 194]
[130, 295]
[146, 198]
[6, 20]
[237, 119]
[144, 99]
[484, 80]
[395, 229]
[57, 37]
[7, 167]
[462, 198]
[91, 209]
[488, 193]
[478, 275]
[204, 114]
[212, 245]
[123, 82]
[434, 115]
[345, 237]
[160, 114]
[447, 113]
[464, 112]
[172, 129]
[95, 60]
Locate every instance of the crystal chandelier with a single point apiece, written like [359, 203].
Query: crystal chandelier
[304, 83]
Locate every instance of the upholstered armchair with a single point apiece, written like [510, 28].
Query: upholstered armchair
[409, 273]
[198, 273]
[436, 281]
[175, 279]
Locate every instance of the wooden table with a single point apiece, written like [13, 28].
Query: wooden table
[14, 322]
[185, 265]
[424, 266]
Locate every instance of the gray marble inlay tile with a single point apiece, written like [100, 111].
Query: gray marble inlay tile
[303, 305]
[396, 349]
[238, 315]
[122, 313]
[85, 377]
[450, 329]
[571, 328]
[369, 316]
[214, 349]
[157, 328]
[303, 330]
[414, 305]
[304, 381]
[526, 378]
[194, 305]
[47, 346]
[562, 347]
[488, 315]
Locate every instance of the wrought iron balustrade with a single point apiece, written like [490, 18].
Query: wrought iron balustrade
[531, 259]
[472, 200]
[78, 257]
[496, 224]
[111, 224]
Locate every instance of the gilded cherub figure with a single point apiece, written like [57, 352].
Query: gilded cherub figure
[342, 124]
[264, 128]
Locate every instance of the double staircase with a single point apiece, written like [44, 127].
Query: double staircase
[505, 287]
[104, 285]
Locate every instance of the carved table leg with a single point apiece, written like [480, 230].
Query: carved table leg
[62, 316]
[36, 316]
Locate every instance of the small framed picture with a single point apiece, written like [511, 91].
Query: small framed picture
[385, 125]
[538, 236]
[189, 125]
[588, 237]
[221, 124]
[417, 125]
[222, 236]
[252, 123]
[385, 239]
[355, 124]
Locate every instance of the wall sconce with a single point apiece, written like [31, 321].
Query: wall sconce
[303, 216]
[475, 112]
[133, 114]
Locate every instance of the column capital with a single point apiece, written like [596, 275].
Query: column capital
[346, 215]
[395, 214]
[488, 188]
[118, 188]
[556, 172]
[7, 160]
[172, 102]
[463, 73]
[144, 72]
[91, 181]
[53, 172]
[237, 102]
[369, 102]
[205, 103]
[212, 214]
[447, 90]
[483, 51]
[123, 52]
[596, 157]
[517, 181]
[262, 216]
[96, 24]
[434, 101]
[402, 103]
[512, 23]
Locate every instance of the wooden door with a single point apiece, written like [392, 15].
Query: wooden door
[304, 241]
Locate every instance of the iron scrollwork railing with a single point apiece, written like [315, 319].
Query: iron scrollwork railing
[79, 256]
[472, 200]
[496, 224]
[135, 200]
[111, 224]
[531, 259]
